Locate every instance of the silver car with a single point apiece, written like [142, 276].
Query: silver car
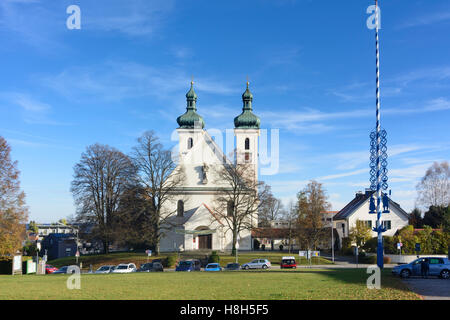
[105, 269]
[439, 267]
[257, 264]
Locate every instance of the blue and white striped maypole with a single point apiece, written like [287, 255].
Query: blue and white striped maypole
[378, 151]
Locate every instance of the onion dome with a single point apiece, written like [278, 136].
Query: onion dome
[189, 119]
[247, 119]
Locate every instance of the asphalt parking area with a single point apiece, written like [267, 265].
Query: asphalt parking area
[431, 288]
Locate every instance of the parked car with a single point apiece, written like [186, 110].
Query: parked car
[151, 267]
[439, 267]
[233, 267]
[105, 269]
[213, 267]
[257, 264]
[189, 265]
[50, 269]
[288, 262]
[125, 268]
[63, 270]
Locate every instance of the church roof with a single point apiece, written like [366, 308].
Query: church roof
[191, 119]
[358, 201]
[247, 119]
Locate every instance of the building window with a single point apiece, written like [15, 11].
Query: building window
[180, 208]
[190, 143]
[343, 229]
[387, 224]
[247, 144]
[247, 157]
[230, 208]
[368, 224]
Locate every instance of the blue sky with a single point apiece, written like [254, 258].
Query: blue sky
[311, 66]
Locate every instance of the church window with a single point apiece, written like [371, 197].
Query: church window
[180, 208]
[247, 157]
[247, 144]
[230, 208]
[190, 143]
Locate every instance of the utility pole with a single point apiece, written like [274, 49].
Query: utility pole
[332, 239]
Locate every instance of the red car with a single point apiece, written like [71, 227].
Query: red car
[288, 262]
[50, 269]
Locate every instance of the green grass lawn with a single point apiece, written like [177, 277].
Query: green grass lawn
[277, 285]
[138, 258]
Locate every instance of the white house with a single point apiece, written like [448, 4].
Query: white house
[358, 209]
[193, 224]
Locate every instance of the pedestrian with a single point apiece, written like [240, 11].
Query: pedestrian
[424, 268]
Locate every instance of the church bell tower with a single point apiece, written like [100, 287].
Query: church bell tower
[246, 130]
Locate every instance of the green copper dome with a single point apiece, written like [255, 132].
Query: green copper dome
[247, 119]
[190, 117]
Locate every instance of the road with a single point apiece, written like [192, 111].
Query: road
[431, 288]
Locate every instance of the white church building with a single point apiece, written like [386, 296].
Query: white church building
[192, 223]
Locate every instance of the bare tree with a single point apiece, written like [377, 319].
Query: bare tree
[160, 179]
[290, 214]
[312, 203]
[269, 209]
[100, 180]
[13, 213]
[434, 188]
[237, 203]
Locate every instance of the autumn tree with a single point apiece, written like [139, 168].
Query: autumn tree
[360, 233]
[238, 201]
[158, 180]
[13, 213]
[434, 188]
[311, 205]
[100, 180]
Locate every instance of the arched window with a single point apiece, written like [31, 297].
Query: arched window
[247, 144]
[190, 143]
[180, 208]
[230, 208]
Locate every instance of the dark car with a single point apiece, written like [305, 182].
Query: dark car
[151, 267]
[233, 267]
[50, 269]
[63, 270]
[189, 265]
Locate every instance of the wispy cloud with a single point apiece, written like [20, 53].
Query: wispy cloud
[32, 110]
[427, 19]
[132, 17]
[117, 80]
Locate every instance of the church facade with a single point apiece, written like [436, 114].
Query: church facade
[193, 223]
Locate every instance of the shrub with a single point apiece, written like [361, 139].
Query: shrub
[281, 247]
[263, 247]
[386, 260]
[368, 259]
[170, 261]
[214, 257]
[371, 245]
